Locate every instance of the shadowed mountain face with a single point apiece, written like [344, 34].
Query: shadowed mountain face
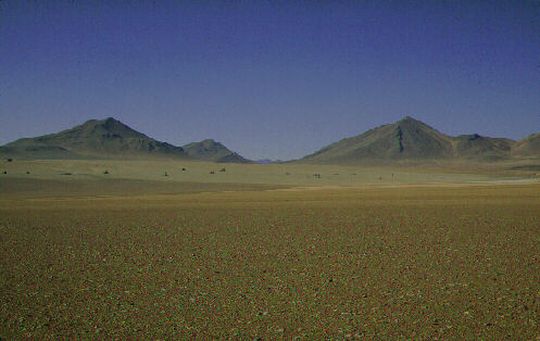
[410, 139]
[210, 150]
[107, 138]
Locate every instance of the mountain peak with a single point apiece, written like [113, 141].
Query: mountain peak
[105, 127]
[111, 138]
[106, 122]
[211, 150]
[209, 142]
[407, 138]
[413, 125]
[111, 120]
[407, 118]
[410, 120]
[97, 138]
[411, 139]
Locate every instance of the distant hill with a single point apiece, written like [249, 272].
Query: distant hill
[413, 140]
[108, 138]
[528, 147]
[405, 140]
[112, 139]
[482, 148]
[210, 150]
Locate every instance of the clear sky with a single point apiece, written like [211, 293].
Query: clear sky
[269, 79]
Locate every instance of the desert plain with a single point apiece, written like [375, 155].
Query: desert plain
[166, 249]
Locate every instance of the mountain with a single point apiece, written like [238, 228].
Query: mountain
[412, 140]
[482, 148]
[528, 147]
[108, 138]
[210, 150]
[405, 139]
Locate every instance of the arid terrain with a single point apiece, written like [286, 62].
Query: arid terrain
[270, 170]
[267, 251]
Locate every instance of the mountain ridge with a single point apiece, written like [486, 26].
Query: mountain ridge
[211, 150]
[106, 138]
[409, 139]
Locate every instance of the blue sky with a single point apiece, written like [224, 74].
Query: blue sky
[270, 79]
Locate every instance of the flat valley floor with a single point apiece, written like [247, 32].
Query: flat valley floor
[266, 252]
